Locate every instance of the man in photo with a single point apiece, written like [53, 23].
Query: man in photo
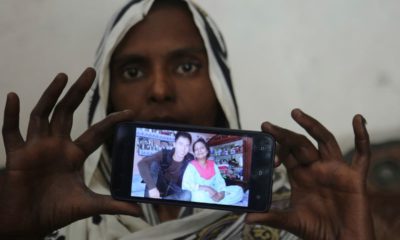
[163, 171]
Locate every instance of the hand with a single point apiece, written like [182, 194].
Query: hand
[328, 198]
[208, 189]
[218, 196]
[42, 188]
[154, 193]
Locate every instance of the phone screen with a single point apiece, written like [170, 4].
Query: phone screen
[198, 166]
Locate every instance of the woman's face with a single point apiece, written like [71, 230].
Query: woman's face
[200, 150]
[160, 71]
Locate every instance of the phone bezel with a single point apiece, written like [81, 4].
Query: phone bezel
[260, 181]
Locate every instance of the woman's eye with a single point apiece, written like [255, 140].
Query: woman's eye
[386, 173]
[132, 73]
[187, 68]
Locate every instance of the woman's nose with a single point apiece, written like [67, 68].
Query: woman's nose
[162, 87]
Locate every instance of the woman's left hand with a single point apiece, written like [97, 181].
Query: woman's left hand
[328, 198]
[218, 196]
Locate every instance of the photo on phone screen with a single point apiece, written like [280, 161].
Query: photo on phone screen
[193, 166]
[190, 166]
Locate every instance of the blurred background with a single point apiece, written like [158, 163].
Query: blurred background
[331, 58]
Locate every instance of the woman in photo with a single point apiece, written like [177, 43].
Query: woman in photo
[203, 178]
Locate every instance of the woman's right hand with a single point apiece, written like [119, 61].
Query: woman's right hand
[42, 187]
[328, 195]
[211, 191]
[218, 196]
[154, 193]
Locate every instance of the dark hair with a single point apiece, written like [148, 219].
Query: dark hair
[201, 140]
[184, 135]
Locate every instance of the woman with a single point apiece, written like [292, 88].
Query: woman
[203, 178]
[48, 183]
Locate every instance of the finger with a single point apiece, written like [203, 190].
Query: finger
[362, 153]
[327, 143]
[39, 118]
[102, 204]
[277, 161]
[11, 133]
[288, 160]
[98, 133]
[298, 145]
[61, 121]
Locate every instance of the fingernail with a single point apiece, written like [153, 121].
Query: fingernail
[266, 125]
[61, 79]
[297, 112]
[10, 94]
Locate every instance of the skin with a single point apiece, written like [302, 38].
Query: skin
[200, 152]
[42, 187]
[329, 197]
[181, 147]
[160, 71]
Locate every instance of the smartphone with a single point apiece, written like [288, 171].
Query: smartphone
[192, 166]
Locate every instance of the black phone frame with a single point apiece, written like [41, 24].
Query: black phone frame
[260, 182]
